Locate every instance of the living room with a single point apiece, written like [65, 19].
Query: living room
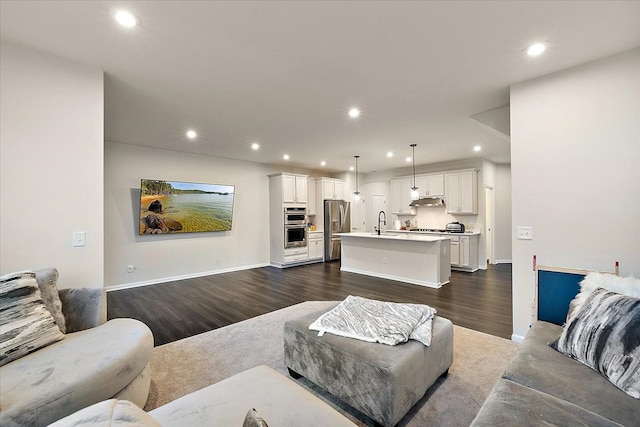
[573, 177]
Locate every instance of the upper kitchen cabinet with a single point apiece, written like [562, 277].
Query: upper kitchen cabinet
[430, 185]
[400, 196]
[461, 192]
[311, 196]
[293, 187]
[330, 189]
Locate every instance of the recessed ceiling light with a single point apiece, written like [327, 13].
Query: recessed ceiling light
[286, 157]
[191, 134]
[389, 154]
[536, 49]
[477, 148]
[351, 168]
[255, 146]
[126, 19]
[354, 112]
[408, 160]
[323, 163]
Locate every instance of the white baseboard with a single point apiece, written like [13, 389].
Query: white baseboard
[396, 278]
[182, 277]
[503, 261]
[517, 338]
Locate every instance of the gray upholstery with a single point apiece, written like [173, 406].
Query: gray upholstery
[108, 413]
[381, 381]
[83, 308]
[511, 404]
[102, 361]
[82, 369]
[555, 382]
[278, 399]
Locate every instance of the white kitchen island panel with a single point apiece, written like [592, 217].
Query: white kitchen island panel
[416, 259]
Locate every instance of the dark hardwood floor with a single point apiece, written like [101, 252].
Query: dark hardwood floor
[176, 310]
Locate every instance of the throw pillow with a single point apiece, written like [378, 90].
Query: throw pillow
[25, 323]
[253, 419]
[604, 334]
[623, 285]
[47, 282]
[112, 412]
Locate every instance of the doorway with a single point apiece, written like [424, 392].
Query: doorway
[488, 224]
[358, 215]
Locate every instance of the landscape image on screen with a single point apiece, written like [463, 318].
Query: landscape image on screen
[168, 207]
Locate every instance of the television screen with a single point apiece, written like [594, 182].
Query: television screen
[184, 207]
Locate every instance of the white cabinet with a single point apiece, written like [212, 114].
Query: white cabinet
[311, 196]
[461, 192]
[430, 185]
[400, 196]
[294, 189]
[316, 246]
[331, 189]
[464, 252]
[455, 252]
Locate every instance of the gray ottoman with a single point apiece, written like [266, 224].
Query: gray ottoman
[381, 381]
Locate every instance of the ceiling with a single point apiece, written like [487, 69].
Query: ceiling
[284, 74]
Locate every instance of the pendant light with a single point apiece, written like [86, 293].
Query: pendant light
[356, 194]
[415, 195]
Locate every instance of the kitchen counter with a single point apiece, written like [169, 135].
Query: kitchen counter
[466, 233]
[395, 235]
[464, 251]
[417, 259]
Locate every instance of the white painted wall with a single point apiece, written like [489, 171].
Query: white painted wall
[502, 214]
[159, 258]
[574, 162]
[51, 159]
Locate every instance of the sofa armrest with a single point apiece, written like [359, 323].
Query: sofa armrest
[83, 308]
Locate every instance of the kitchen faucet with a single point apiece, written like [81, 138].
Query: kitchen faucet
[384, 221]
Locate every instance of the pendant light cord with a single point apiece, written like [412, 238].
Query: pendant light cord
[413, 158]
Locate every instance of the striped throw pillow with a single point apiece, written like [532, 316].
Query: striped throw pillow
[604, 334]
[25, 323]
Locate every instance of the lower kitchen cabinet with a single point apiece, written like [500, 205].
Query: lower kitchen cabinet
[464, 252]
[315, 243]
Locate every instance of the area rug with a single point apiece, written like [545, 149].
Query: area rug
[187, 365]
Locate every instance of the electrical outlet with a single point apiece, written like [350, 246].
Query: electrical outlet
[524, 233]
[130, 268]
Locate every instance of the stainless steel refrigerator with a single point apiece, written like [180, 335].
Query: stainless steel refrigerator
[337, 219]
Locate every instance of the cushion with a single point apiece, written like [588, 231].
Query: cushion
[623, 285]
[108, 413]
[25, 323]
[253, 419]
[47, 282]
[604, 334]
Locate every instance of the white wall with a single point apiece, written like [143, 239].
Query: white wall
[502, 214]
[575, 150]
[51, 165]
[160, 258]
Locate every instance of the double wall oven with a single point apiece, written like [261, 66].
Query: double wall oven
[295, 227]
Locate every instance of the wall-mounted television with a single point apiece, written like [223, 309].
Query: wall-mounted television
[168, 207]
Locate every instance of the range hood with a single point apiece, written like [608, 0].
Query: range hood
[430, 202]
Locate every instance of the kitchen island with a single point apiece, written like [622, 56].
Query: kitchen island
[412, 258]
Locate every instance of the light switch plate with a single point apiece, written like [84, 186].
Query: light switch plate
[524, 233]
[79, 238]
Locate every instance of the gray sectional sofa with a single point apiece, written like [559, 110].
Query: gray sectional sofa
[96, 360]
[544, 387]
[278, 400]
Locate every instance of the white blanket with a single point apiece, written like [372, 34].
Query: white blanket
[377, 321]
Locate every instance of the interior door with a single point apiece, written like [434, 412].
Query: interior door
[488, 235]
[358, 221]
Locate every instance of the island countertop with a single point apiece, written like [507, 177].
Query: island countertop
[411, 258]
[395, 236]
